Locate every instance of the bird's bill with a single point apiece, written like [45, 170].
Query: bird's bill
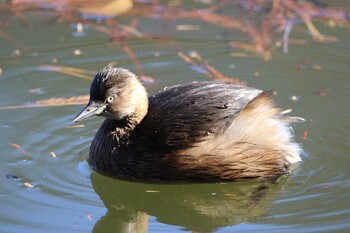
[91, 109]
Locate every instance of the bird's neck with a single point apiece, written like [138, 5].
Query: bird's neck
[122, 129]
[109, 151]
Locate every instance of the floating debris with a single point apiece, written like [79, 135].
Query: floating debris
[75, 72]
[29, 185]
[146, 79]
[79, 30]
[230, 195]
[75, 126]
[16, 52]
[152, 191]
[75, 100]
[316, 67]
[77, 52]
[19, 148]
[203, 67]
[239, 54]
[36, 91]
[295, 98]
[305, 64]
[188, 27]
[80, 27]
[88, 216]
[53, 154]
[289, 110]
[305, 135]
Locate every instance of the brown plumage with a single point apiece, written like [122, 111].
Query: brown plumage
[198, 131]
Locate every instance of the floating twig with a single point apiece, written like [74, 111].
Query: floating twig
[29, 185]
[208, 70]
[53, 102]
[72, 71]
[19, 148]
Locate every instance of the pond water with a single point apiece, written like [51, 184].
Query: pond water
[47, 186]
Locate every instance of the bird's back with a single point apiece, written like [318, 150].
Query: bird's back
[214, 131]
[189, 113]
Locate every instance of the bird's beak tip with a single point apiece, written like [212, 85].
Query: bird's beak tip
[76, 120]
[92, 109]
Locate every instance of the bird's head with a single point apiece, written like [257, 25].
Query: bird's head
[115, 93]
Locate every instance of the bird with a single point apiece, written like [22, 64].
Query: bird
[201, 131]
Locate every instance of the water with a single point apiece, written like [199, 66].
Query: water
[40, 193]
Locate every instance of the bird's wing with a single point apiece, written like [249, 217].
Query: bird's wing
[183, 115]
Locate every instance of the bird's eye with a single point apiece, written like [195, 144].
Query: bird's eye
[110, 99]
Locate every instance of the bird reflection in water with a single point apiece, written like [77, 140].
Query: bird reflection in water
[194, 207]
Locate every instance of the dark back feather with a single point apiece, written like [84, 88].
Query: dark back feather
[190, 113]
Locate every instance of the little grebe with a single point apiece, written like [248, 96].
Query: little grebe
[198, 131]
